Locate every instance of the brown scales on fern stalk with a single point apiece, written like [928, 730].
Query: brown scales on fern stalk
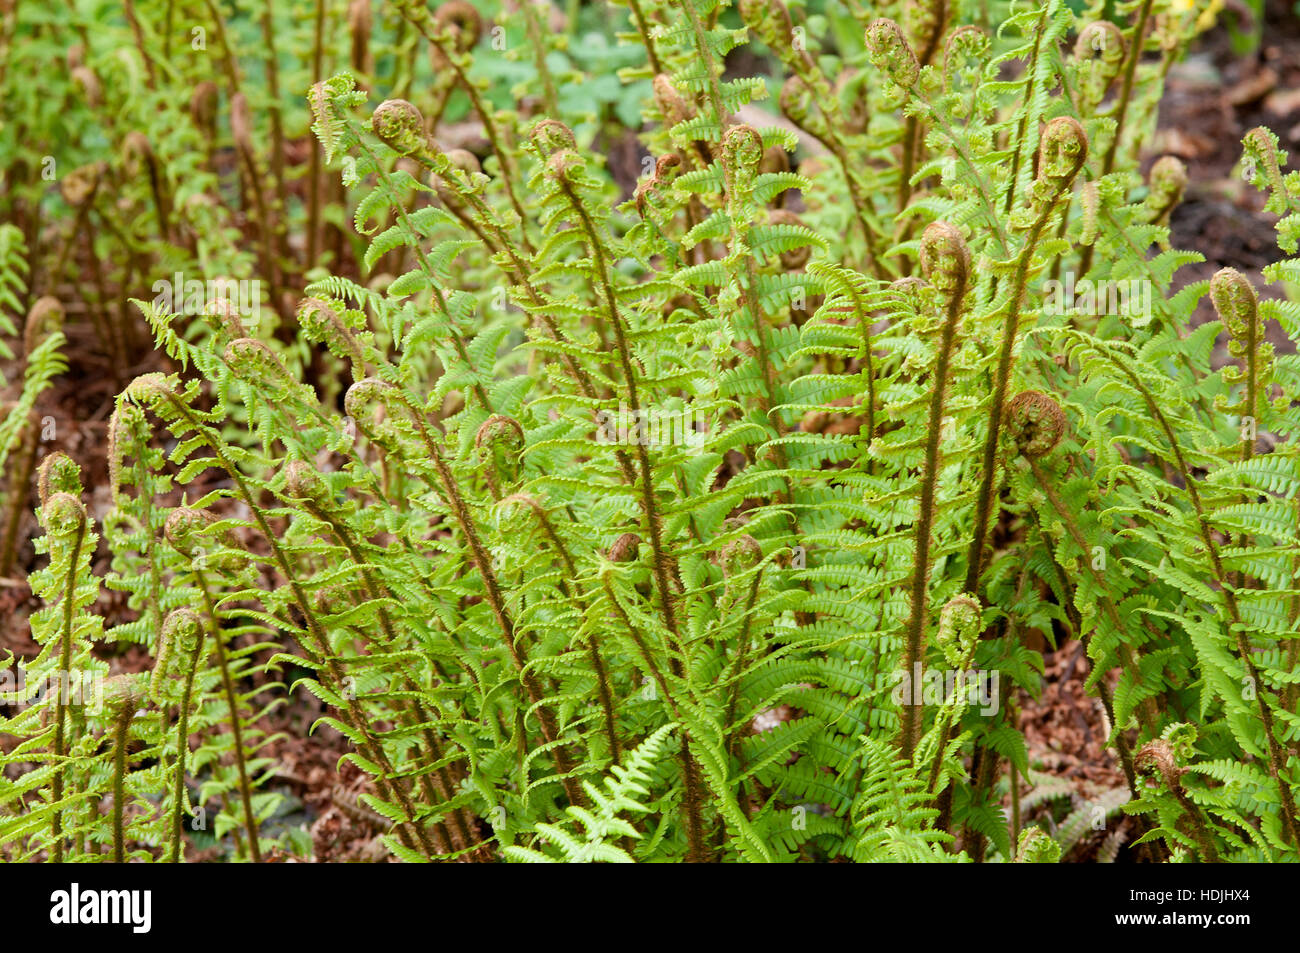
[302, 481]
[1035, 425]
[1157, 757]
[187, 530]
[945, 263]
[370, 391]
[158, 392]
[65, 520]
[180, 642]
[561, 168]
[20, 468]
[1063, 150]
[604, 689]
[1238, 306]
[1276, 756]
[121, 698]
[1062, 153]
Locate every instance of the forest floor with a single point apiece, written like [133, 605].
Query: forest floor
[1212, 99]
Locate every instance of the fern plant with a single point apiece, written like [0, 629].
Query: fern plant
[709, 520]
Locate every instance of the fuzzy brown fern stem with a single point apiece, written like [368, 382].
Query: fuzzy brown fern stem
[1157, 756]
[1276, 756]
[441, 40]
[1037, 424]
[1099, 54]
[359, 397]
[560, 167]
[1063, 150]
[120, 702]
[1045, 483]
[181, 639]
[603, 688]
[1148, 709]
[1128, 75]
[1075, 629]
[20, 478]
[945, 263]
[234, 718]
[157, 392]
[65, 518]
[454, 835]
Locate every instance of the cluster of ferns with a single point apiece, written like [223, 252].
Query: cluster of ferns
[728, 520]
